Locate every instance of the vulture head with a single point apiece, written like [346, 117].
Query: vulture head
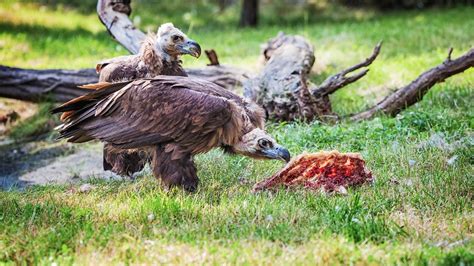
[175, 43]
[259, 144]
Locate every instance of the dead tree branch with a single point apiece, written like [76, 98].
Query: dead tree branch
[339, 80]
[414, 92]
[114, 15]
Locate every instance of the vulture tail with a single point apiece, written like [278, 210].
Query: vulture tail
[100, 91]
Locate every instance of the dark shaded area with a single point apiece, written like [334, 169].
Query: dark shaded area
[249, 13]
[19, 158]
[405, 4]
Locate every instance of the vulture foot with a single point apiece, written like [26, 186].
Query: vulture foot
[124, 162]
[179, 172]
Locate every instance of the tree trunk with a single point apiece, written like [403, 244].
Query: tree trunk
[249, 13]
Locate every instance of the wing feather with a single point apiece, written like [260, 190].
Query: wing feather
[153, 111]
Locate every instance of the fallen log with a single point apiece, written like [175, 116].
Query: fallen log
[282, 88]
[37, 85]
[61, 85]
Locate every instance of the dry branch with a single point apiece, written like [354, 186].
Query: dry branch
[339, 80]
[114, 15]
[414, 92]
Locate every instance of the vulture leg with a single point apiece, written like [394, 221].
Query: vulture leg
[124, 163]
[175, 172]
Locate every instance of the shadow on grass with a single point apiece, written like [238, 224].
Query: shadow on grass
[17, 160]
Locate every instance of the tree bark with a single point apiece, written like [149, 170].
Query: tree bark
[114, 15]
[36, 85]
[249, 13]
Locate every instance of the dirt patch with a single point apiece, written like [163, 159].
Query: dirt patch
[50, 162]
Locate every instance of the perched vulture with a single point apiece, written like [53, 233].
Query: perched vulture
[159, 55]
[174, 118]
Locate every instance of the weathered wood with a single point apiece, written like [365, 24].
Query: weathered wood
[212, 56]
[114, 15]
[35, 85]
[415, 90]
[339, 80]
[281, 87]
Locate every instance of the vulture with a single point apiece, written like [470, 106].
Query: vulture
[173, 118]
[159, 55]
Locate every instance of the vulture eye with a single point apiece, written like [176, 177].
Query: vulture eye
[176, 38]
[264, 143]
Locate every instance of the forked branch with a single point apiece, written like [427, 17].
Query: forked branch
[339, 80]
[414, 92]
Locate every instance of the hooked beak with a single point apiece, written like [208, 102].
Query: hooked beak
[278, 152]
[191, 47]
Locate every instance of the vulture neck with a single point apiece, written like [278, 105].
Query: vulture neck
[166, 56]
[150, 55]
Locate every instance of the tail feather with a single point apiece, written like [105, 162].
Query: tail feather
[101, 90]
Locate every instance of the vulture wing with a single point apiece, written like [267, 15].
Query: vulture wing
[119, 59]
[152, 111]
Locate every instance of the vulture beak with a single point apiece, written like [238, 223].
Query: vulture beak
[191, 47]
[277, 152]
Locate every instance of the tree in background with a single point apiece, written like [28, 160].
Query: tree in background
[397, 4]
[249, 13]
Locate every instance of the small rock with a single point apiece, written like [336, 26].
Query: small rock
[269, 218]
[243, 180]
[452, 160]
[85, 188]
[394, 181]
[395, 146]
[411, 163]
[341, 190]
[149, 242]
[150, 217]
[408, 182]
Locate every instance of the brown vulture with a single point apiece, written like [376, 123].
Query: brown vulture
[173, 118]
[159, 55]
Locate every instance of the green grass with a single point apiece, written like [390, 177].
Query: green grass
[410, 215]
[38, 124]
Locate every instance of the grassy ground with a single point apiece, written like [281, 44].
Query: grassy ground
[419, 211]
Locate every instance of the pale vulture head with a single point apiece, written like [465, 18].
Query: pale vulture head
[260, 145]
[175, 43]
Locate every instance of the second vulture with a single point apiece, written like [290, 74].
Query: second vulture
[174, 118]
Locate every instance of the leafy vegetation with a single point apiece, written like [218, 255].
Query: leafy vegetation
[419, 211]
